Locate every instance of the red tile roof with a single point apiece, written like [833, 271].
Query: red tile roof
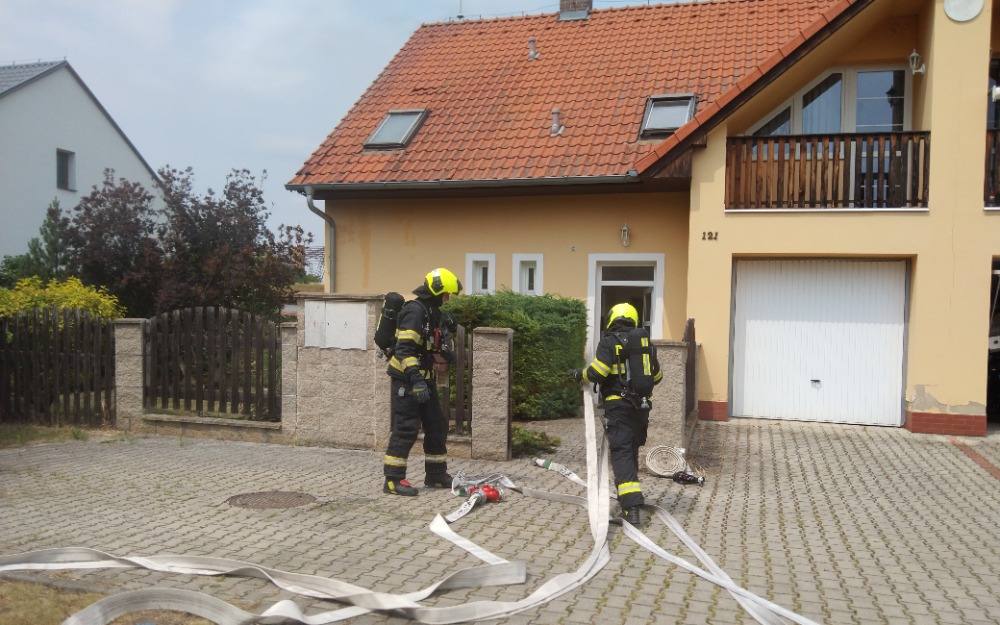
[490, 106]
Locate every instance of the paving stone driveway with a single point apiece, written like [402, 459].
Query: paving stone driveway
[842, 524]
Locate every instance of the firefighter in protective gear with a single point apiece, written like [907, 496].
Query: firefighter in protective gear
[626, 414]
[414, 400]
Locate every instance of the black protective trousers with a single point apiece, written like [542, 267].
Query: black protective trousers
[407, 417]
[626, 427]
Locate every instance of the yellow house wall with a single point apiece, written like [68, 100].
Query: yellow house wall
[950, 246]
[388, 245]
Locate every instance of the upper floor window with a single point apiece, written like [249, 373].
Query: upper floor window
[880, 101]
[821, 106]
[66, 170]
[846, 100]
[397, 129]
[665, 114]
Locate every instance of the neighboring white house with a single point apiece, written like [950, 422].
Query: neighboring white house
[56, 140]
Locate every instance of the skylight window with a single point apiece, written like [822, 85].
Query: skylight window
[665, 114]
[396, 129]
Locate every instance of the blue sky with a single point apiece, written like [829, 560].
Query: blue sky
[221, 84]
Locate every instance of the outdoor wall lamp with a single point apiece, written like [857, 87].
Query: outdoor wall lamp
[626, 236]
[917, 65]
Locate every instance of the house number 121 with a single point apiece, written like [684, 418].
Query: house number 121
[709, 236]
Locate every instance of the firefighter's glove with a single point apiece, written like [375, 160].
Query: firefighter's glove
[448, 356]
[421, 392]
[449, 322]
[576, 375]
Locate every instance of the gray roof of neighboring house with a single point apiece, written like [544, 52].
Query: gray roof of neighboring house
[13, 76]
[17, 75]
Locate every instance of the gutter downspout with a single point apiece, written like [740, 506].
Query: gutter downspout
[331, 238]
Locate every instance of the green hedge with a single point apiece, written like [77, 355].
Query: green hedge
[549, 336]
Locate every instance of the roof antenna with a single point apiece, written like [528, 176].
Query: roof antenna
[460, 16]
[533, 54]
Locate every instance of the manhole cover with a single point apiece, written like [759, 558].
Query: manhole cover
[270, 499]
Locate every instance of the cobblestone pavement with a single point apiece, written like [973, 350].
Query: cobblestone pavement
[843, 524]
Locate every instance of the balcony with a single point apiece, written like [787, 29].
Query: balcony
[854, 171]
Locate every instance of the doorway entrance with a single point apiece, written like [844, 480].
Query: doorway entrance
[635, 279]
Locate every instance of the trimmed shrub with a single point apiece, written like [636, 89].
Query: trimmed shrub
[31, 293]
[549, 336]
[530, 443]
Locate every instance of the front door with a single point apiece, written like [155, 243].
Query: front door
[626, 284]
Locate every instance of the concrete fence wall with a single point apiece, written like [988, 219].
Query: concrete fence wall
[340, 395]
[668, 421]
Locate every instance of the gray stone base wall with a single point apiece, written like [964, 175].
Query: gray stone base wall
[204, 427]
[340, 397]
[667, 420]
[335, 397]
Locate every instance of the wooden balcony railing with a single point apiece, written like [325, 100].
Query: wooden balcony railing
[885, 170]
[993, 167]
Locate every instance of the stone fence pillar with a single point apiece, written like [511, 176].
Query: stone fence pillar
[338, 379]
[667, 420]
[129, 364]
[492, 370]
[289, 375]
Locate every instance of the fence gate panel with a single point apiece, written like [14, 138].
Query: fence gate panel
[56, 368]
[213, 361]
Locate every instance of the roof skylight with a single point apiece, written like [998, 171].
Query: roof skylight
[665, 114]
[396, 129]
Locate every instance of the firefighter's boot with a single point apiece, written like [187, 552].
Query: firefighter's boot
[399, 487]
[632, 515]
[437, 480]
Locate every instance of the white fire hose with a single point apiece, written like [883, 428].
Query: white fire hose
[494, 572]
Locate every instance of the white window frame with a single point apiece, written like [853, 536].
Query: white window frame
[471, 284]
[515, 279]
[70, 169]
[421, 116]
[656, 133]
[849, 96]
[594, 264]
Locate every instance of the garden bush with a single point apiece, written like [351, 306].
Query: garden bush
[549, 336]
[31, 293]
[531, 443]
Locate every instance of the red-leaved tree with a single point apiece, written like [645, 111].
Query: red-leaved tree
[218, 249]
[111, 242]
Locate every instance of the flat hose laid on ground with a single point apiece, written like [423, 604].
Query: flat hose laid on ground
[361, 600]
[496, 570]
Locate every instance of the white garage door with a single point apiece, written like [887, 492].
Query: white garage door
[819, 340]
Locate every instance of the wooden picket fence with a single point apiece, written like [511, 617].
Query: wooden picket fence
[213, 361]
[691, 368]
[455, 405]
[57, 368]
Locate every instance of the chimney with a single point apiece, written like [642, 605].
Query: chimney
[574, 9]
